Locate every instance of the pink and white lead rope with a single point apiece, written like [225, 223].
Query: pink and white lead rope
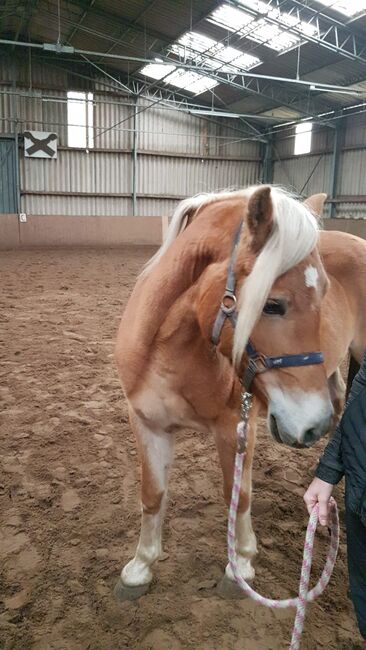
[304, 596]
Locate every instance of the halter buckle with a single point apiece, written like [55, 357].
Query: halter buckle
[228, 303]
[253, 368]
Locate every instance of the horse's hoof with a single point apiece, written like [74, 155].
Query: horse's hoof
[228, 589]
[123, 592]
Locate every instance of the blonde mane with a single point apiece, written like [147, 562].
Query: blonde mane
[181, 218]
[294, 235]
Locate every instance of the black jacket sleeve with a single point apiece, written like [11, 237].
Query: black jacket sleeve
[330, 468]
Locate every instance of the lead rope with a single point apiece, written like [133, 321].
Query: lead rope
[305, 596]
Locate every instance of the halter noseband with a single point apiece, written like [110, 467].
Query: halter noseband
[257, 363]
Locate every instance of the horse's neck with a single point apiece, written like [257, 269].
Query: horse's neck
[157, 292]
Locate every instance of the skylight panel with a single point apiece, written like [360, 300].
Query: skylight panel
[346, 7]
[231, 18]
[200, 49]
[196, 41]
[274, 12]
[257, 5]
[238, 60]
[156, 70]
[191, 81]
[271, 35]
[260, 29]
[292, 21]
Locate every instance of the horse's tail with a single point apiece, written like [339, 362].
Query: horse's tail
[182, 217]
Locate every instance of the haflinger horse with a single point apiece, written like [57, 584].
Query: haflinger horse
[297, 293]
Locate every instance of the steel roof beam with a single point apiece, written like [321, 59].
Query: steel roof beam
[122, 22]
[73, 30]
[25, 20]
[337, 38]
[244, 81]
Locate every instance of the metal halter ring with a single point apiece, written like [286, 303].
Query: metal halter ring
[231, 298]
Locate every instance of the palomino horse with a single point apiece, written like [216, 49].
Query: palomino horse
[297, 293]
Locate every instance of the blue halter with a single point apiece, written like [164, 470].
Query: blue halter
[257, 363]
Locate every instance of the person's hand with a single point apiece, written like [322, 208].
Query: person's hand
[319, 492]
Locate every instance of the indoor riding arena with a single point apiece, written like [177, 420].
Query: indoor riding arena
[112, 113]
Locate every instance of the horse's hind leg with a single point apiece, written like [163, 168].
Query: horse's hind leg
[246, 545]
[156, 454]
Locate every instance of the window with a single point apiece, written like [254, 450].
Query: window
[80, 120]
[303, 138]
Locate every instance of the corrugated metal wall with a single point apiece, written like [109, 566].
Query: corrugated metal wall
[311, 173]
[305, 174]
[178, 154]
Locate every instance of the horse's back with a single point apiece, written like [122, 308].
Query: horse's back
[349, 249]
[344, 258]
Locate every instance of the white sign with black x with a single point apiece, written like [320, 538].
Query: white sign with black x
[40, 144]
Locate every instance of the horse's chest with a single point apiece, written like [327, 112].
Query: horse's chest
[163, 402]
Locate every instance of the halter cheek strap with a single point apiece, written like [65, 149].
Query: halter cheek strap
[257, 363]
[228, 304]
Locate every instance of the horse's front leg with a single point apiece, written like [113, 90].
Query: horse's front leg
[226, 440]
[156, 454]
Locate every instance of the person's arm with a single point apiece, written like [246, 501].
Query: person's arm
[330, 469]
[329, 472]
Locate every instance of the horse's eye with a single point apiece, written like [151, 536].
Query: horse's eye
[275, 308]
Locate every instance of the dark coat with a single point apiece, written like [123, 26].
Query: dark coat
[345, 453]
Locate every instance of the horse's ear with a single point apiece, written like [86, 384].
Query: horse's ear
[316, 203]
[259, 219]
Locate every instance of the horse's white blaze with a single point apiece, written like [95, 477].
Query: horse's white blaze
[311, 276]
[157, 449]
[246, 546]
[298, 411]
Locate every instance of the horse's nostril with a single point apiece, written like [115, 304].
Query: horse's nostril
[309, 437]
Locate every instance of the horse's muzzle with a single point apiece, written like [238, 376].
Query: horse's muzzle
[302, 440]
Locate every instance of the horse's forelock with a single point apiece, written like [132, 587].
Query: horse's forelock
[294, 235]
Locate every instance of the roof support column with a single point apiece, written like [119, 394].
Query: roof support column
[267, 160]
[335, 168]
[134, 159]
